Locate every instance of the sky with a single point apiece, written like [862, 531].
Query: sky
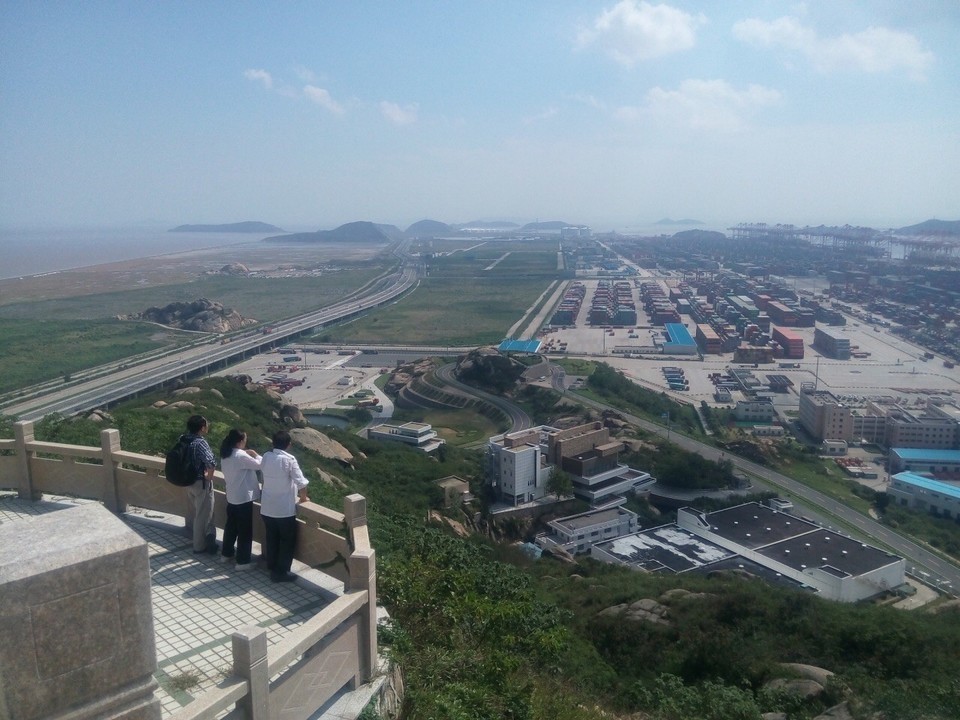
[612, 114]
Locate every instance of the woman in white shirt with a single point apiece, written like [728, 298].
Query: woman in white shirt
[239, 466]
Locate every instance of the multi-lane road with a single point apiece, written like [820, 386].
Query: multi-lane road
[115, 383]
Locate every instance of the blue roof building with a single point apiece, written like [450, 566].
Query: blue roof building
[524, 346]
[944, 463]
[919, 492]
[681, 342]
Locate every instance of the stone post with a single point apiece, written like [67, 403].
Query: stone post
[110, 444]
[76, 620]
[354, 510]
[250, 662]
[23, 434]
[363, 576]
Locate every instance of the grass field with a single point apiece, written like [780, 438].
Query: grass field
[265, 299]
[446, 311]
[506, 259]
[42, 350]
[457, 427]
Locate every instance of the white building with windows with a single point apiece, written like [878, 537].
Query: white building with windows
[422, 436]
[517, 467]
[576, 533]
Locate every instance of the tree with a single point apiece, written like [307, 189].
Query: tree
[560, 483]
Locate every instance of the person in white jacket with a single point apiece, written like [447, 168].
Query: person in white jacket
[284, 485]
[239, 466]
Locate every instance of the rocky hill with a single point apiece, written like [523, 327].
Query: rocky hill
[361, 231]
[429, 228]
[932, 227]
[201, 315]
[546, 225]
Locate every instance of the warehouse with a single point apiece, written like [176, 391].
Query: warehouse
[788, 548]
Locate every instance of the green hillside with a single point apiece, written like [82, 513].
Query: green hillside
[481, 631]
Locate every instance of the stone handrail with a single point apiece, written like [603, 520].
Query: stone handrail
[334, 542]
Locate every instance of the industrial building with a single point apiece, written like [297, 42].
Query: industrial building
[754, 411]
[918, 492]
[943, 464]
[679, 340]
[782, 548]
[576, 533]
[519, 464]
[826, 417]
[418, 435]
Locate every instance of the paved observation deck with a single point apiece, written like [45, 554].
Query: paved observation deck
[198, 602]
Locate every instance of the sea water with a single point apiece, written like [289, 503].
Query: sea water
[36, 251]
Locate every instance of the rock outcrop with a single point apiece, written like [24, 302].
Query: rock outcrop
[235, 269]
[488, 369]
[645, 610]
[201, 315]
[321, 444]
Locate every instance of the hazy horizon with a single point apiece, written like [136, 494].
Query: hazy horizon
[609, 114]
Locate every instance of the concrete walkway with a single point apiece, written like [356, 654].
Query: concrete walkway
[198, 602]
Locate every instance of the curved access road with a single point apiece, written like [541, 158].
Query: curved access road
[519, 419]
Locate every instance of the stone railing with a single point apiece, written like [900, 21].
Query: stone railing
[336, 543]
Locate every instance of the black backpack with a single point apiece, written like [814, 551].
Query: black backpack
[179, 467]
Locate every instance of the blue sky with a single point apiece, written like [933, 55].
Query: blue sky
[613, 114]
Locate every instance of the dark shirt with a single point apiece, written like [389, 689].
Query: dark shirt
[202, 454]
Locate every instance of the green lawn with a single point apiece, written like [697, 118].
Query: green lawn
[457, 427]
[40, 350]
[445, 311]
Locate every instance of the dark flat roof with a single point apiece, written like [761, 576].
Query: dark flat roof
[836, 554]
[664, 548]
[754, 526]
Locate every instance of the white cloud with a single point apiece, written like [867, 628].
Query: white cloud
[261, 76]
[632, 31]
[304, 73]
[874, 50]
[406, 115]
[541, 117]
[322, 98]
[702, 104]
[590, 101]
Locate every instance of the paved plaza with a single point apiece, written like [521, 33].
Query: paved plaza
[198, 602]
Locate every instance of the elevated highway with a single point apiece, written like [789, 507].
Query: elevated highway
[114, 383]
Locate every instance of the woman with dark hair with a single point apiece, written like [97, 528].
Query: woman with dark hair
[284, 485]
[239, 465]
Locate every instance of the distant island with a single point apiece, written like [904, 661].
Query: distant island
[355, 232]
[684, 221]
[932, 227]
[240, 227]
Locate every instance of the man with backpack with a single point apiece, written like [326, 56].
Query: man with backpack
[200, 491]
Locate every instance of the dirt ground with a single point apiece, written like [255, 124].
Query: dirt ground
[175, 268]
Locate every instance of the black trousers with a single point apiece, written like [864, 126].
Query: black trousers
[238, 529]
[280, 540]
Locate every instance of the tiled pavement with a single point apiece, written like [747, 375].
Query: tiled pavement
[198, 602]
